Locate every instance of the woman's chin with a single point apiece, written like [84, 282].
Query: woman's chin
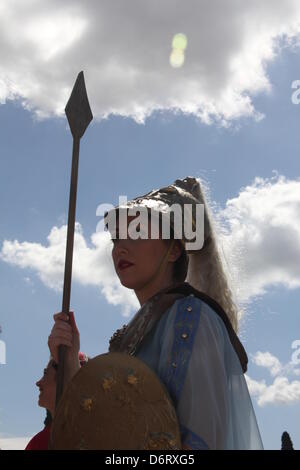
[130, 283]
[41, 403]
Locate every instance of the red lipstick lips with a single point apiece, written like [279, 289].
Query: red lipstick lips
[123, 264]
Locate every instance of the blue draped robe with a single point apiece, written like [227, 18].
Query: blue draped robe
[190, 350]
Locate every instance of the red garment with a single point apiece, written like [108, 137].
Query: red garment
[40, 440]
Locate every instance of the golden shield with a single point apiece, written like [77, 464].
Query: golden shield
[113, 402]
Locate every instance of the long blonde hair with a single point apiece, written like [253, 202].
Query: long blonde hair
[206, 271]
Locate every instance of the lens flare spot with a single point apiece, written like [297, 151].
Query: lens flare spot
[177, 58]
[179, 41]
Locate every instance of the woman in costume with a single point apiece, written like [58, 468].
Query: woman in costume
[186, 328]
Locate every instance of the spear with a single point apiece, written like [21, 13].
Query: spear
[79, 116]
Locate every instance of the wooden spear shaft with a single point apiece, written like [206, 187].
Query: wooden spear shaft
[79, 115]
[68, 263]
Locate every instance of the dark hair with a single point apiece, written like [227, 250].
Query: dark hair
[48, 419]
[181, 264]
[181, 267]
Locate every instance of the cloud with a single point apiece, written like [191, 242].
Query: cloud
[266, 359]
[262, 235]
[14, 443]
[260, 238]
[282, 390]
[91, 265]
[125, 47]
[274, 366]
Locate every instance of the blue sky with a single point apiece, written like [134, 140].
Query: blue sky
[252, 168]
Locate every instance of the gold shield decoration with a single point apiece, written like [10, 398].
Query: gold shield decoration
[115, 402]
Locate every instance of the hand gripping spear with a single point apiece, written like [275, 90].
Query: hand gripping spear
[79, 116]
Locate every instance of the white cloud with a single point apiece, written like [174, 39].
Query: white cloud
[124, 49]
[274, 366]
[262, 237]
[256, 388]
[91, 265]
[282, 390]
[266, 359]
[14, 443]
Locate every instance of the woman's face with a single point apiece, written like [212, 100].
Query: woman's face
[144, 256]
[47, 386]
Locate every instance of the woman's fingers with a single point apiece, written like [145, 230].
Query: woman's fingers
[58, 331]
[61, 334]
[61, 316]
[62, 325]
[67, 320]
[64, 332]
[55, 341]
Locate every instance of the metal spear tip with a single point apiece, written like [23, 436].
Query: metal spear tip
[78, 109]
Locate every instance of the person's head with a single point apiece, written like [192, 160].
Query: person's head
[47, 386]
[155, 262]
[205, 269]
